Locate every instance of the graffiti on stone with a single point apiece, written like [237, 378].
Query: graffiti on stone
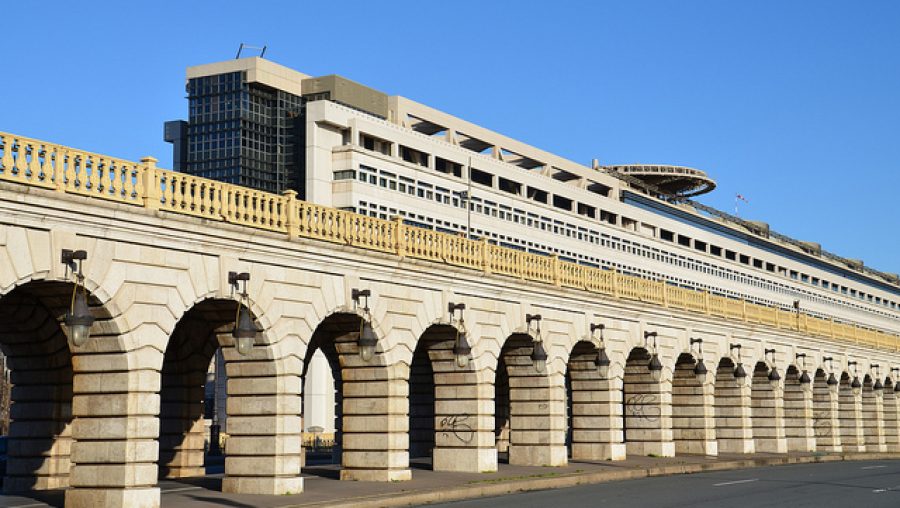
[644, 406]
[822, 424]
[458, 427]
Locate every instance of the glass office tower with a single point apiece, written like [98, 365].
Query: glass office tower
[246, 122]
[241, 132]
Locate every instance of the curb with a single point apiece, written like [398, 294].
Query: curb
[415, 498]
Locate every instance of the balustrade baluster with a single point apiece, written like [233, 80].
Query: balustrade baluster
[21, 161]
[34, 166]
[7, 161]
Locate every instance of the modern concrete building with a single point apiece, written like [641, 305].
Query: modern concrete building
[246, 122]
[387, 156]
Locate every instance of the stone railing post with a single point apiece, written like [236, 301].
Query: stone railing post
[151, 183]
[292, 221]
[486, 255]
[400, 235]
[557, 279]
[55, 157]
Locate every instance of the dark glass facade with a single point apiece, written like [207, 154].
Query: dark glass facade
[244, 133]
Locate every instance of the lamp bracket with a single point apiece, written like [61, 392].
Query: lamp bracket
[69, 258]
[453, 307]
[356, 294]
[235, 279]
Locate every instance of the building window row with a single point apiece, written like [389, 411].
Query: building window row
[484, 178]
[430, 192]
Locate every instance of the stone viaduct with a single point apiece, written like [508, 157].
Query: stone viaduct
[107, 418]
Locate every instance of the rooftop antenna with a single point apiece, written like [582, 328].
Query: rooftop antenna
[262, 50]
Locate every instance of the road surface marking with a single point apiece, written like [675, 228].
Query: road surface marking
[735, 482]
[873, 467]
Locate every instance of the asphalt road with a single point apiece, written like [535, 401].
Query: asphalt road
[867, 484]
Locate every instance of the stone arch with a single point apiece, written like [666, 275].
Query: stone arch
[530, 410]
[374, 400]
[693, 418]
[767, 411]
[891, 416]
[872, 416]
[826, 422]
[41, 371]
[734, 429]
[850, 411]
[262, 405]
[192, 346]
[798, 411]
[318, 364]
[44, 405]
[647, 408]
[593, 407]
[447, 417]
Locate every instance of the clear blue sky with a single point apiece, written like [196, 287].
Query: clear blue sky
[795, 105]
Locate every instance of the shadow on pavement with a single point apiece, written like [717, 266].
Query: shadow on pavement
[55, 498]
[219, 501]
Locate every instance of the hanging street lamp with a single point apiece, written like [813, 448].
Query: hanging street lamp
[805, 380]
[367, 341]
[654, 365]
[244, 331]
[538, 353]
[774, 376]
[461, 348]
[78, 319]
[740, 375]
[602, 361]
[700, 370]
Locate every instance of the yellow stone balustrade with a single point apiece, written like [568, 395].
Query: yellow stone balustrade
[38, 163]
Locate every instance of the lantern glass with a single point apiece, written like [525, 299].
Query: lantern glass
[79, 320]
[367, 342]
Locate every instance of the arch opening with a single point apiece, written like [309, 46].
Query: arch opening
[36, 351]
[767, 412]
[798, 412]
[891, 416]
[734, 431]
[872, 416]
[322, 402]
[193, 419]
[693, 425]
[589, 411]
[530, 423]
[446, 421]
[646, 409]
[850, 415]
[826, 426]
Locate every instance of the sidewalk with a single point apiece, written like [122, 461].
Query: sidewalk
[323, 489]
